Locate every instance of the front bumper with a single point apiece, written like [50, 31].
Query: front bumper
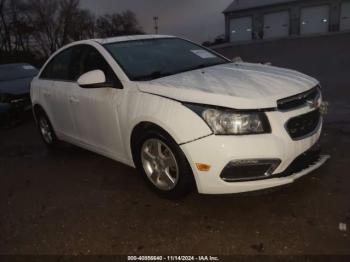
[218, 151]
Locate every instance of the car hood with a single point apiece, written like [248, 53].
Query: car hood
[16, 86]
[234, 85]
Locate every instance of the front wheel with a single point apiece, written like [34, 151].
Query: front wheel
[164, 165]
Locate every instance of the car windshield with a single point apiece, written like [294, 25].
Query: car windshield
[16, 71]
[149, 59]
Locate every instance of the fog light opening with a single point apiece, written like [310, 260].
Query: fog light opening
[249, 169]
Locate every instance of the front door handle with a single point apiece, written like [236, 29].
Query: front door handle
[74, 99]
[46, 93]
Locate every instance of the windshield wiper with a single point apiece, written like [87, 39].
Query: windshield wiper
[200, 66]
[151, 76]
[159, 74]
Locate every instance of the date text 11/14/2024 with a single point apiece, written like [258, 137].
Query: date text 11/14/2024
[173, 258]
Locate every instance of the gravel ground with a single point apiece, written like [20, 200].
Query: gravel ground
[75, 202]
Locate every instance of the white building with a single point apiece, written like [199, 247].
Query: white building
[267, 19]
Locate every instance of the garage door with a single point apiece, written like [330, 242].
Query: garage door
[345, 16]
[276, 25]
[241, 29]
[314, 20]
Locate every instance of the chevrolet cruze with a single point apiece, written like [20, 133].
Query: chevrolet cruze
[183, 115]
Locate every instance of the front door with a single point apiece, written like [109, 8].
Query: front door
[96, 109]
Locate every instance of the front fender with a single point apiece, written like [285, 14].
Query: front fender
[182, 124]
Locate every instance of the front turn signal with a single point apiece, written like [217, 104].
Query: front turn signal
[203, 167]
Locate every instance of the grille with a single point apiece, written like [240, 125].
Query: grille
[299, 100]
[302, 162]
[303, 125]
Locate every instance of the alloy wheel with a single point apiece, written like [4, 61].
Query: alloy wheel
[159, 164]
[45, 130]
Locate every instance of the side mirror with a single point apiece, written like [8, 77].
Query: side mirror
[265, 63]
[92, 79]
[237, 59]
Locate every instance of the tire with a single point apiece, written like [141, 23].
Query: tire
[46, 131]
[162, 164]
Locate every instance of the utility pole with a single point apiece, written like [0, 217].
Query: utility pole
[156, 19]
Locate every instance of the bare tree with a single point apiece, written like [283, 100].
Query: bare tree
[5, 27]
[118, 24]
[14, 30]
[130, 24]
[22, 31]
[68, 10]
[43, 16]
[85, 25]
[43, 26]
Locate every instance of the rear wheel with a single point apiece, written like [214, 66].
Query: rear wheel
[46, 131]
[163, 164]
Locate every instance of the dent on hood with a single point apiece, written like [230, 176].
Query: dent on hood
[237, 85]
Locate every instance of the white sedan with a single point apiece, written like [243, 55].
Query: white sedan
[183, 115]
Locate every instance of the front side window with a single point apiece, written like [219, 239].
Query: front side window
[76, 65]
[153, 58]
[93, 60]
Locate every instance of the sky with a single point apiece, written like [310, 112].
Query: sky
[197, 20]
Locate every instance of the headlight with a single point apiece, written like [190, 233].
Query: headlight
[230, 122]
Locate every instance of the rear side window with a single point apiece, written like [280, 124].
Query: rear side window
[58, 67]
[67, 65]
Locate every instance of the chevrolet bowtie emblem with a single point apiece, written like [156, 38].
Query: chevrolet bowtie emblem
[313, 103]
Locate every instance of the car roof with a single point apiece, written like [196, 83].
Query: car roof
[110, 40]
[129, 38]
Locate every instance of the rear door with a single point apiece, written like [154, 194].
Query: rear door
[57, 95]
